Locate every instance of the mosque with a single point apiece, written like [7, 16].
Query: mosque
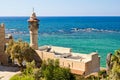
[82, 64]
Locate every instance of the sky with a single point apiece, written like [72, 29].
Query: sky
[60, 7]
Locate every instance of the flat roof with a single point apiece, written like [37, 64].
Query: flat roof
[62, 52]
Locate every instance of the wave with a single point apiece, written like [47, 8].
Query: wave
[15, 31]
[91, 30]
[61, 31]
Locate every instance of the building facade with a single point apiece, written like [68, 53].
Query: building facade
[81, 64]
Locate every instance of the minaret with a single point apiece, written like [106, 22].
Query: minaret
[33, 27]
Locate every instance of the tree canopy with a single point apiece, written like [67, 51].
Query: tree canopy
[52, 71]
[21, 51]
[115, 71]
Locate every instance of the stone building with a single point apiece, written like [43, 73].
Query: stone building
[82, 64]
[4, 38]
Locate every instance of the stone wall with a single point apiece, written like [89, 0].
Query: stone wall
[45, 55]
[77, 67]
[3, 56]
[94, 64]
[2, 39]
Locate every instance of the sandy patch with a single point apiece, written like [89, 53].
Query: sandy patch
[7, 72]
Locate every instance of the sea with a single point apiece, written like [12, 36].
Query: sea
[83, 34]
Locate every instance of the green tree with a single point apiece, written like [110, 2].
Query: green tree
[115, 71]
[21, 51]
[30, 66]
[52, 71]
[30, 73]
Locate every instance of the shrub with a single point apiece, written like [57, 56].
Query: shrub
[15, 77]
[30, 66]
[102, 74]
[115, 71]
[21, 51]
[23, 77]
[92, 77]
[52, 71]
[37, 74]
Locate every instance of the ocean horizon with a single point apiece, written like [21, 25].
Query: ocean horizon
[83, 34]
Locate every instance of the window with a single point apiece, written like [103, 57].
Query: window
[68, 65]
[72, 64]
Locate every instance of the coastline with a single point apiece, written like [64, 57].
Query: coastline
[57, 32]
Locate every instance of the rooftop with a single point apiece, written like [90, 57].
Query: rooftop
[61, 52]
[55, 49]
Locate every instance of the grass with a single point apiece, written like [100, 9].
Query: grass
[22, 77]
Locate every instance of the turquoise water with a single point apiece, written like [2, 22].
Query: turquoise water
[101, 34]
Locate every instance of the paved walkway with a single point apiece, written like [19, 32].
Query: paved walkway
[7, 72]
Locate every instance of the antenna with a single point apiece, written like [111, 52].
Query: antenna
[33, 10]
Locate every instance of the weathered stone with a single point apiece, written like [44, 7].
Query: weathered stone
[3, 41]
[33, 27]
[3, 56]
